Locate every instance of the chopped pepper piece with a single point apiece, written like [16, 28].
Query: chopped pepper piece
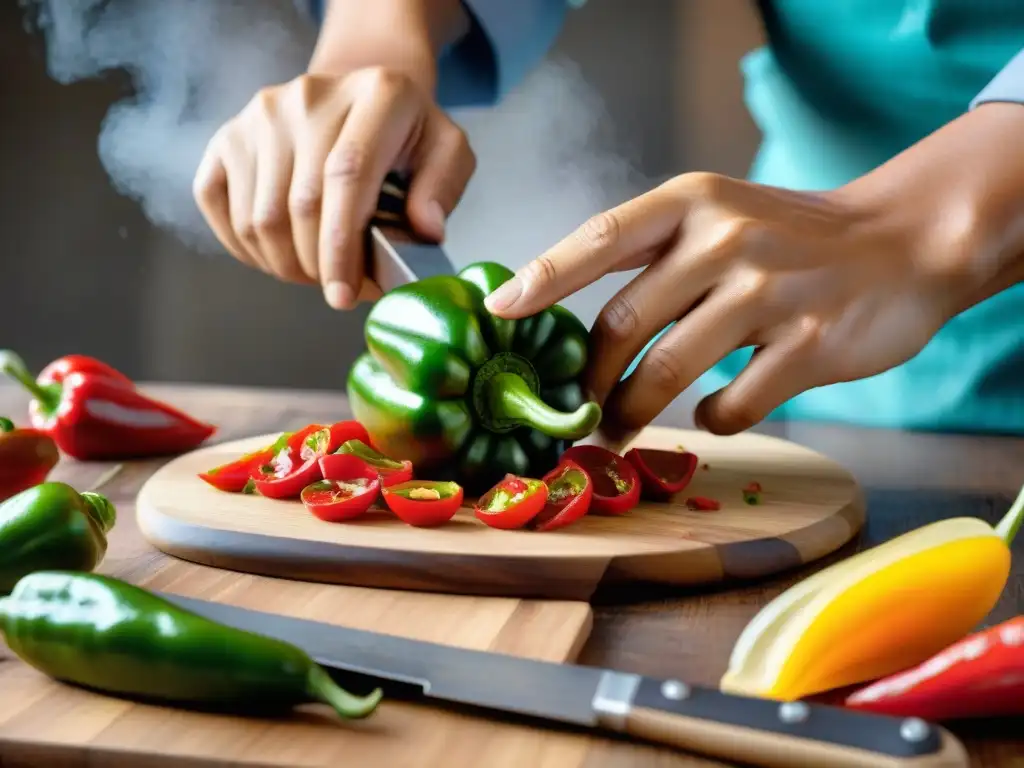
[570, 491]
[980, 676]
[295, 466]
[345, 495]
[752, 493]
[94, 412]
[616, 482]
[703, 504]
[879, 612]
[234, 476]
[459, 391]
[662, 473]
[391, 471]
[424, 503]
[111, 636]
[512, 503]
[26, 458]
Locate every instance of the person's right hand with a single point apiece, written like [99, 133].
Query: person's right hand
[290, 184]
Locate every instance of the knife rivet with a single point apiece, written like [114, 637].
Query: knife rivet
[914, 729]
[674, 690]
[794, 712]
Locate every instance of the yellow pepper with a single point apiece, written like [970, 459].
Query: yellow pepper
[881, 611]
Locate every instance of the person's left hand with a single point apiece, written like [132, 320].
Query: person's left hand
[828, 287]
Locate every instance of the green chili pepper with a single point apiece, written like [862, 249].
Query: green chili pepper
[52, 525]
[101, 633]
[467, 395]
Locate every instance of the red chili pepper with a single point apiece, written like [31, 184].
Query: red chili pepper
[512, 503]
[980, 676]
[295, 466]
[424, 503]
[26, 458]
[344, 431]
[392, 472]
[616, 482]
[347, 495]
[662, 473]
[570, 491]
[703, 504]
[93, 411]
[235, 475]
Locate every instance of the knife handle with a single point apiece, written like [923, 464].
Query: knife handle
[769, 733]
[391, 203]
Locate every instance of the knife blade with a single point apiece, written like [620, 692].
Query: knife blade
[395, 256]
[670, 712]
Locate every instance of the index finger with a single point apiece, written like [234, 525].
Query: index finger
[606, 243]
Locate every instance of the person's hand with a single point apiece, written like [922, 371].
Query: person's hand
[827, 288]
[290, 184]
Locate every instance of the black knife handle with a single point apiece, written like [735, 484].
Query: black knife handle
[391, 203]
[769, 733]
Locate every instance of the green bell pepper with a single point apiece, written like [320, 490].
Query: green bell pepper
[101, 633]
[466, 395]
[52, 525]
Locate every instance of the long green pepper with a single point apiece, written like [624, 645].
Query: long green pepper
[52, 526]
[102, 633]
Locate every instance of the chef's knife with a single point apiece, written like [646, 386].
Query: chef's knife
[395, 256]
[701, 720]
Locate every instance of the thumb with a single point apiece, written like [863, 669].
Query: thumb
[444, 167]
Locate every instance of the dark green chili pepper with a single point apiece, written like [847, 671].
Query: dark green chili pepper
[101, 633]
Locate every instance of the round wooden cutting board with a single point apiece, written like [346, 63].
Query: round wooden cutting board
[810, 507]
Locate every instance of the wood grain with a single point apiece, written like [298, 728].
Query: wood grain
[910, 479]
[811, 506]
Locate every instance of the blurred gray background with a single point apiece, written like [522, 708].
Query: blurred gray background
[84, 271]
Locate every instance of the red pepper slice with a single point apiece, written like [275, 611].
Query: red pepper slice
[662, 473]
[348, 494]
[752, 493]
[343, 431]
[26, 458]
[570, 491]
[616, 482]
[295, 466]
[512, 503]
[979, 676]
[424, 503]
[233, 476]
[703, 504]
[391, 471]
[94, 412]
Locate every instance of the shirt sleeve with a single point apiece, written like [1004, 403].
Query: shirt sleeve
[1008, 85]
[505, 40]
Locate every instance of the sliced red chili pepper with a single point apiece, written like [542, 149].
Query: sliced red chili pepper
[703, 504]
[570, 491]
[662, 473]
[424, 503]
[349, 494]
[295, 466]
[343, 431]
[391, 471]
[752, 493]
[512, 503]
[979, 676]
[616, 482]
[235, 475]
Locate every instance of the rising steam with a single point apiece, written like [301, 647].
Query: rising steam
[544, 161]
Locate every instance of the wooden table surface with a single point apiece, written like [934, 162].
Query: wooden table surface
[910, 480]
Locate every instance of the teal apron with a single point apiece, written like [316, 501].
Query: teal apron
[842, 86]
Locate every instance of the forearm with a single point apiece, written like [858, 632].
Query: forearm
[407, 35]
[960, 193]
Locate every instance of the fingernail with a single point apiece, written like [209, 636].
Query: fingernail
[435, 217]
[507, 295]
[339, 295]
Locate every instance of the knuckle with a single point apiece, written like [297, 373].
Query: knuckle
[347, 162]
[600, 232]
[663, 370]
[305, 200]
[737, 413]
[541, 271]
[738, 233]
[270, 221]
[619, 320]
[246, 231]
[702, 185]
[810, 333]
[380, 80]
[750, 286]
